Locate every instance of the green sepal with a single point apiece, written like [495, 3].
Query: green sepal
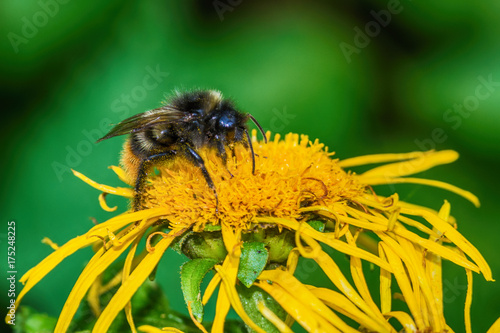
[250, 298]
[179, 242]
[317, 225]
[253, 260]
[192, 273]
[210, 227]
[279, 244]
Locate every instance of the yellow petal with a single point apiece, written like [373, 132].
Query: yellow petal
[327, 212]
[103, 203]
[433, 262]
[121, 191]
[360, 282]
[436, 248]
[434, 183]
[273, 318]
[221, 309]
[343, 305]
[122, 175]
[232, 241]
[125, 275]
[314, 247]
[307, 318]
[404, 284]
[303, 295]
[339, 280]
[152, 329]
[412, 256]
[135, 280]
[292, 260]
[93, 296]
[50, 243]
[495, 328]
[195, 321]
[35, 274]
[229, 286]
[380, 158]
[468, 302]
[99, 262]
[385, 287]
[453, 235]
[421, 161]
[405, 320]
[327, 238]
[210, 289]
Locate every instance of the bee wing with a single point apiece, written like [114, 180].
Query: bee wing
[144, 120]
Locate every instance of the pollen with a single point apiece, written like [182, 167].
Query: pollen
[290, 174]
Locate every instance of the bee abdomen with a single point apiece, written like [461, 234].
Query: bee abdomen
[130, 161]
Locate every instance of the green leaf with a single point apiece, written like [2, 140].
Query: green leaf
[30, 321]
[250, 297]
[253, 260]
[192, 273]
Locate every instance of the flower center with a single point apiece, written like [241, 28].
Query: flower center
[290, 174]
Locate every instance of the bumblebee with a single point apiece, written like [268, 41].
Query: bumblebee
[188, 122]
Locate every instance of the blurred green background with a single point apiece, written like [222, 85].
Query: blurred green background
[364, 77]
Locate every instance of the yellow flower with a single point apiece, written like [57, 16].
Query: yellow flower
[296, 182]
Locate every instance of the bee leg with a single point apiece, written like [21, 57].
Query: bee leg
[251, 150]
[139, 185]
[142, 174]
[198, 161]
[223, 155]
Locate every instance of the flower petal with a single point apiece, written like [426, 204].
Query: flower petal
[273, 318]
[453, 235]
[360, 282]
[434, 183]
[121, 191]
[343, 305]
[305, 296]
[327, 238]
[335, 275]
[228, 284]
[99, 262]
[104, 204]
[381, 158]
[130, 286]
[405, 320]
[210, 288]
[404, 284]
[152, 329]
[306, 317]
[232, 241]
[421, 161]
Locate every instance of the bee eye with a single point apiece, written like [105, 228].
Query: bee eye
[227, 121]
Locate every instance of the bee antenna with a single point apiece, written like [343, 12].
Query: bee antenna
[260, 128]
[251, 149]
